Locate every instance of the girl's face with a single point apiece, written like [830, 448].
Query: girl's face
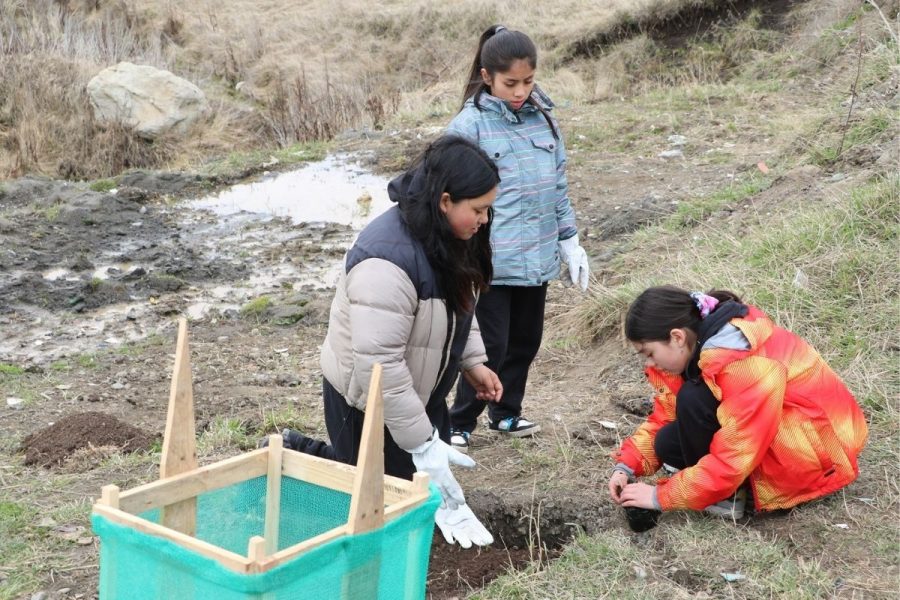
[672, 356]
[466, 216]
[512, 86]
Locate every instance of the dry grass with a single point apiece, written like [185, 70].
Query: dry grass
[297, 72]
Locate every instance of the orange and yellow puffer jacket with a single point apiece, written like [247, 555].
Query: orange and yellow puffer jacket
[789, 426]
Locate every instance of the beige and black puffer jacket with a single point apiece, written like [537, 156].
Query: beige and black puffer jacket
[388, 309]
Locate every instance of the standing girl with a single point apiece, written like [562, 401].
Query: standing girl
[534, 224]
[741, 404]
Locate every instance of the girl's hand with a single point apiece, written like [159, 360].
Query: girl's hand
[617, 484]
[486, 383]
[639, 495]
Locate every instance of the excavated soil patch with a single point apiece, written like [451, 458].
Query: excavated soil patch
[527, 532]
[56, 443]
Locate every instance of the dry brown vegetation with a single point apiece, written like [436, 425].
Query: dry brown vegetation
[301, 71]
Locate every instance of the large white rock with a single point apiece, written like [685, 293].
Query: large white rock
[148, 100]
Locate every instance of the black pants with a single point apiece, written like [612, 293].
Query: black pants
[345, 425]
[511, 319]
[687, 439]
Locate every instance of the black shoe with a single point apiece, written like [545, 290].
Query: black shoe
[514, 427]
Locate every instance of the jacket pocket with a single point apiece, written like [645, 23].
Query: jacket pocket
[501, 152]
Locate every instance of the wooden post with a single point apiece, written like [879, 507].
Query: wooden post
[179, 451]
[367, 503]
[110, 496]
[273, 493]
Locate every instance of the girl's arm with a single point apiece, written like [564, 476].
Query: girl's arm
[752, 394]
[380, 326]
[637, 453]
[565, 214]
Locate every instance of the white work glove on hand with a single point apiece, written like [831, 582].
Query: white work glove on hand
[461, 525]
[574, 255]
[435, 457]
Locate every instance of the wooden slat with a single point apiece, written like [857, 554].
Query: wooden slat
[273, 493]
[367, 502]
[337, 476]
[179, 451]
[292, 552]
[193, 483]
[228, 559]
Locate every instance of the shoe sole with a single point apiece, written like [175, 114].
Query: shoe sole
[463, 449]
[519, 434]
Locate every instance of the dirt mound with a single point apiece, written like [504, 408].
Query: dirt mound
[52, 445]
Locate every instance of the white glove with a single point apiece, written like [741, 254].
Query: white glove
[574, 255]
[461, 525]
[435, 457]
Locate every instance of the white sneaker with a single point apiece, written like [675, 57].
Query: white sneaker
[730, 508]
[460, 440]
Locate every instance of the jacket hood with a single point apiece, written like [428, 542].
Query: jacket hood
[755, 326]
[709, 326]
[536, 102]
[407, 188]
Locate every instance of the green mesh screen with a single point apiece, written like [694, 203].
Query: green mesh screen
[388, 563]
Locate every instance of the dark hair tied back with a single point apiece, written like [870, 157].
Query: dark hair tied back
[658, 310]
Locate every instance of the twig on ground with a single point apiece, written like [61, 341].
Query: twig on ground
[852, 97]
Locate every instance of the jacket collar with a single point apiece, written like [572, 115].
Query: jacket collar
[537, 101]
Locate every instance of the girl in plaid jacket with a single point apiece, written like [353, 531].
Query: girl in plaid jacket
[533, 229]
[741, 404]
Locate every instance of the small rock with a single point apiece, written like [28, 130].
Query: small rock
[677, 140]
[801, 280]
[14, 402]
[677, 153]
[41, 595]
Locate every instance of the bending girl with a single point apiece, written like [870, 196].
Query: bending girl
[741, 404]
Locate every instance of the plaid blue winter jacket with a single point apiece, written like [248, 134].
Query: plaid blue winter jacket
[532, 211]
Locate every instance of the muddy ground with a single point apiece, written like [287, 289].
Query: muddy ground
[91, 284]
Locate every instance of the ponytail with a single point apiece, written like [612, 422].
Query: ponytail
[658, 310]
[498, 49]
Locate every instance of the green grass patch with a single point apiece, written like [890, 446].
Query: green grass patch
[256, 307]
[15, 548]
[694, 211]
[224, 433]
[240, 162]
[51, 213]
[102, 185]
[8, 369]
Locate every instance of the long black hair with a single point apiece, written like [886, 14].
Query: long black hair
[498, 49]
[658, 310]
[460, 168]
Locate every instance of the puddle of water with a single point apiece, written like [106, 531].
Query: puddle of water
[104, 272]
[334, 190]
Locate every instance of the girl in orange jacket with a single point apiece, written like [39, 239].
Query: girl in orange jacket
[741, 404]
